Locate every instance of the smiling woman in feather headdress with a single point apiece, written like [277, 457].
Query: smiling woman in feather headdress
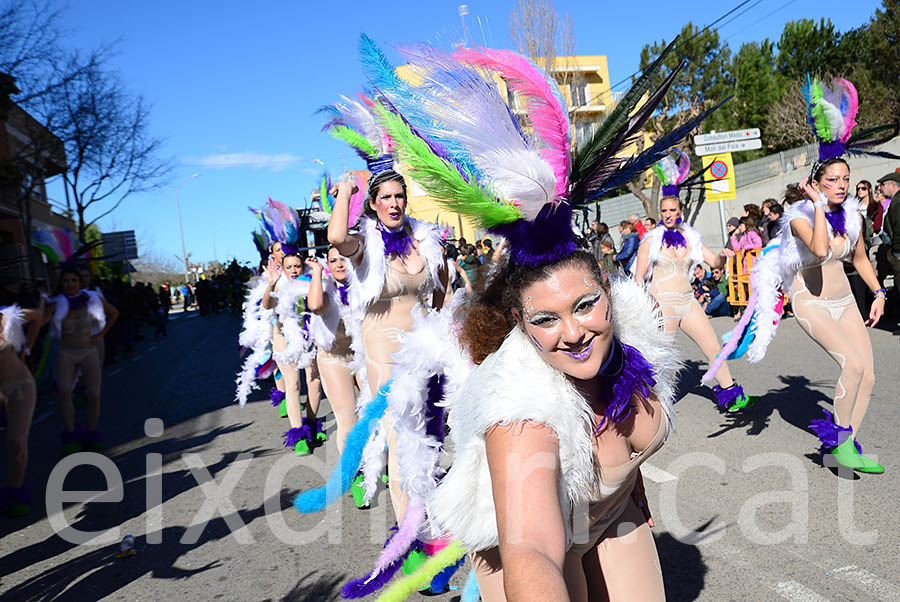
[819, 232]
[573, 385]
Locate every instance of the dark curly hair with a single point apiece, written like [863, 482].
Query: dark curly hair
[488, 318]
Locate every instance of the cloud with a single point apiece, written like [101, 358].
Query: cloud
[274, 162]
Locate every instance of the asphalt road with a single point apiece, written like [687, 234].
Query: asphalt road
[744, 509]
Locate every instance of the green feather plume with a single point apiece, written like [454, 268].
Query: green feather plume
[442, 180]
[660, 173]
[354, 139]
[820, 119]
[323, 194]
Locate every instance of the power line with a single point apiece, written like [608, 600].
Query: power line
[761, 19]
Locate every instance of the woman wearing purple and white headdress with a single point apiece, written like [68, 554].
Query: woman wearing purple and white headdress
[666, 258]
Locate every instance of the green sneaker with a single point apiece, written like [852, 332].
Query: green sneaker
[301, 448]
[96, 446]
[743, 402]
[847, 455]
[71, 448]
[17, 509]
[385, 478]
[282, 409]
[412, 563]
[359, 494]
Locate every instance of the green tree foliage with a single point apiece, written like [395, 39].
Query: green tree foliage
[808, 47]
[883, 45]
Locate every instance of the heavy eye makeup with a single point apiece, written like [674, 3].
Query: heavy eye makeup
[583, 307]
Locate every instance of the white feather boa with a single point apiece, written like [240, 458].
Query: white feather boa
[299, 350]
[256, 335]
[513, 385]
[14, 326]
[784, 256]
[94, 309]
[655, 236]
[367, 279]
[323, 327]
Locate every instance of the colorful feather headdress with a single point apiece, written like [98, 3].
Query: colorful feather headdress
[831, 111]
[282, 224]
[261, 242]
[357, 200]
[462, 143]
[58, 244]
[353, 121]
[671, 172]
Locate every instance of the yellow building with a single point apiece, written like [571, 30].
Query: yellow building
[584, 82]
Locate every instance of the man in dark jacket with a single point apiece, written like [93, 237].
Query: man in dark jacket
[890, 185]
[630, 243]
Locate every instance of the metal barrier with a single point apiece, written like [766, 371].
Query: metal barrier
[738, 268]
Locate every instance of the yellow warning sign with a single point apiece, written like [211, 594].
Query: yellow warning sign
[718, 175]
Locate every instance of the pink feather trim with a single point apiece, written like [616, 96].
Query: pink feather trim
[685, 165]
[409, 529]
[849, 91]
[547, 117]
[734, 339]
[358, 200]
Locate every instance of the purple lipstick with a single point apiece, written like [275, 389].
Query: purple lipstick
[581, 355]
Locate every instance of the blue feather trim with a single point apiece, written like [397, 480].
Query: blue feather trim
[470, 591]
[439, 582]
[342, 476]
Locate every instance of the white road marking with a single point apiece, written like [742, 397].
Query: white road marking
[657, 475]
[137, 357]
[867, 582]
[152, 348]
[116, 371]
[795, 592]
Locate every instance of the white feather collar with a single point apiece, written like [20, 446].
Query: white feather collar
[13, 326]
[367, 278]
[655, 236]
[94, 309]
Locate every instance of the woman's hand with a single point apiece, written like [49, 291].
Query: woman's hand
[639, 495]
[272, 272]
[811, 190]
[314, 266]
[876, 312]
[349, 188]
[726, 253]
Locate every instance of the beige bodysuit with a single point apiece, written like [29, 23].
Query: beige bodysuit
[826, 310]
[671, 282]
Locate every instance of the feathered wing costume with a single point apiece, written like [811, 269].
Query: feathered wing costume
[14, 327]
[459, 140]
[831, 112]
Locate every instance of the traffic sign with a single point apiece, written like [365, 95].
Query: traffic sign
[727, 147]
[730, 136]
[719, 176]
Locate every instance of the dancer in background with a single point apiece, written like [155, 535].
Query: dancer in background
[76, 315]
[665, 260]
[818, 233]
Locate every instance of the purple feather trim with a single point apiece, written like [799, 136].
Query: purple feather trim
[71, 436]
[276, 396]
[78, 301]
[837, 219]
[725, 398]
[396, 243]
[829, 433]
[295, 434]
[673, 238]
[734, 339]
[21, 495]
[625, 373]
[547, 239]
[290, 248]
[671, 190]
[830, 150]
[320, 426]
[380, 164]
[360, 588]
[90, 437]
[404, 538]
[343, 291]
[434, 414]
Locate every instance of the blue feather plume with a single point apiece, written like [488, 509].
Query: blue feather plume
[342, 476]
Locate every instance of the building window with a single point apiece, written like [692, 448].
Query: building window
[583, 132]
[579, 94]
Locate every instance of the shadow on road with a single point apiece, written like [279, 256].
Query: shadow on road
[313, 588]
[99, 573]
[683, 569]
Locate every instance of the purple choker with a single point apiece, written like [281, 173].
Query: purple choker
[837, 219]
[624, 374]
[396, 243]
[343, 290]
[78, 301]
[673, 238]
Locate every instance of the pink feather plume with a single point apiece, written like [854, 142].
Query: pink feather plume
[66, 246]
[734, 339]
[358, 200]
[547, 116]
[849, 112]
[684, 164]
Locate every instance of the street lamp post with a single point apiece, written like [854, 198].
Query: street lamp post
[187, 277]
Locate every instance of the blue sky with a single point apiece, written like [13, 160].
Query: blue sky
[235, 87]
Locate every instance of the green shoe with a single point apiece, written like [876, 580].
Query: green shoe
[17, 509]
[301, 448]
[743, 402]
[412, 563]
[96, 446]
[71, 448]
[282, 409]
[846, 454]
[385, 478]
[359, 494]
[869, 465]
